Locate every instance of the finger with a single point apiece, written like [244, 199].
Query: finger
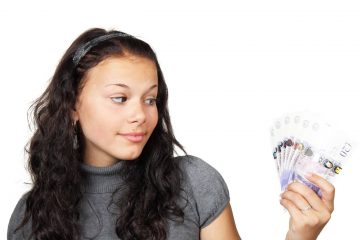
[310, 221]
[309, 195]
[294, 211]
[327, 190]
[297, 199]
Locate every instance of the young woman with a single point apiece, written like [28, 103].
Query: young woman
[102, 158]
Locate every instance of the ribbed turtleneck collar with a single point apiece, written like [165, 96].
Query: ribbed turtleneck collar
[101, 179]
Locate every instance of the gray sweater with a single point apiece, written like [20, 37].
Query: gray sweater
[205, 188]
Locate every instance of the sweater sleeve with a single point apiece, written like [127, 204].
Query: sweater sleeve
[208, 189]
[16, 219]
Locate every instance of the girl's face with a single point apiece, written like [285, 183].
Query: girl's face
[118, 98]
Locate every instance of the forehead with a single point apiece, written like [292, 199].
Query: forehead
[130, 70]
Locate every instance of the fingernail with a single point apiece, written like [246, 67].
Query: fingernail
[308, 175]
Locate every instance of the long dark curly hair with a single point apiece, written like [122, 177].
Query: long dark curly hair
[153, 180]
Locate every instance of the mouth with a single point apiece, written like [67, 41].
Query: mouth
[133, 134]
[134, 137]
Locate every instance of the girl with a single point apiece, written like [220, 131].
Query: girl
[102, 158]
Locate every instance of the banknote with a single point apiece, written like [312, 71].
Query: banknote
[304, 143]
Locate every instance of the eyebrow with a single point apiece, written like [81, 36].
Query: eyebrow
[126, 86]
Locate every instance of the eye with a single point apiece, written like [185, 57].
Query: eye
[118, 99]
[152, 101]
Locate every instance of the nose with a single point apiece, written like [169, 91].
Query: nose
[137, 113]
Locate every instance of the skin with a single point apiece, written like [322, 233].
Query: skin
[307, 225]
[303, 225]
[222, 228]
[106, 108]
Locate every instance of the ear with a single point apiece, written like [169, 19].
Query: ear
[74, 114]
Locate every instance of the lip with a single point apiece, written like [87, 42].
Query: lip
[134, 137]
[133, 134]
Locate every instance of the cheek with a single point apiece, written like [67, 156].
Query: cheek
[153, 118]
[99, 124]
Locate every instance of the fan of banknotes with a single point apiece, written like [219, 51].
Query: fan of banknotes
[302, 143]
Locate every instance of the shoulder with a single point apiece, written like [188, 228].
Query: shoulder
[206, 188]
[197, 171]
[192, 164]
[16, 218]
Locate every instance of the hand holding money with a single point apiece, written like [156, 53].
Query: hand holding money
[308, 153]
[303, 143]
[309, 213]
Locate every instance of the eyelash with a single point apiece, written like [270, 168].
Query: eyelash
[154, 100]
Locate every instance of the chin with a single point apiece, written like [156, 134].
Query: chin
[129, 156]
[127, 152]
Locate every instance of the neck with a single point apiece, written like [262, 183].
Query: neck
[98, 158]
[101, 179]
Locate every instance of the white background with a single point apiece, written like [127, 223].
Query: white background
[231, 69]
